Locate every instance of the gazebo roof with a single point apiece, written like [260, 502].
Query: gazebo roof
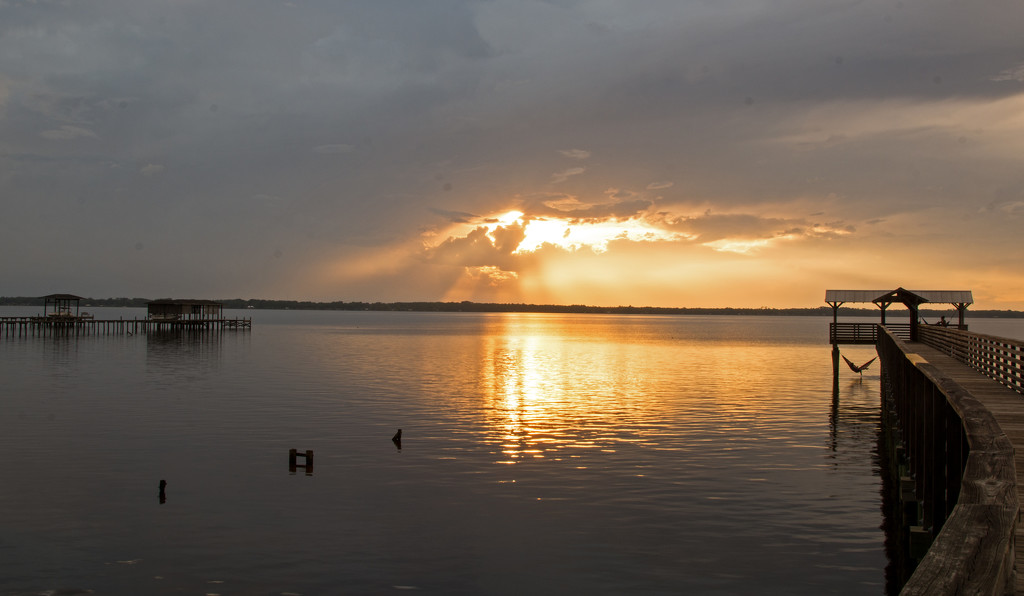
[62, 297]
[932, 296]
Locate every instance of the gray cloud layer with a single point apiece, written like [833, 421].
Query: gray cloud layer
[223, 148]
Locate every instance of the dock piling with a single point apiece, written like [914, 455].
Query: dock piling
[293, 465]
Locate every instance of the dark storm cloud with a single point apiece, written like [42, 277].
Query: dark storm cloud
[480, 248]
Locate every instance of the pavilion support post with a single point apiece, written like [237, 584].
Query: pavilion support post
[961, 311]
[835, 321]
[835, 344]
[913, 321]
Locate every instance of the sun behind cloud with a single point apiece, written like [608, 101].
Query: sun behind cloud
[514, 232]
[559, 247]
[572, 234]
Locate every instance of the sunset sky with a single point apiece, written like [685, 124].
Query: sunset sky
[651, 152]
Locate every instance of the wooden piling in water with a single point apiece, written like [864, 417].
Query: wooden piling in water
[293, 465]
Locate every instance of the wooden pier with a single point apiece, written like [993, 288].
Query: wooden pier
[956, 398]
[165, 315]
[59, 326]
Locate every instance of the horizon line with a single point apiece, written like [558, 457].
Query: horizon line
[453, 306]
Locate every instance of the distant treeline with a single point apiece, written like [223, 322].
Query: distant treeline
[114, 302]
[466, 306]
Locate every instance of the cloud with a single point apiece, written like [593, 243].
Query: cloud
[492, 275]
[5, 92]
[834, 123]
[500, 242]
[478, 94]
[1011, 208]
[566, 174]
[575, 153]
[454, 216]
[67, 132]
[711, 227]
[1011, 74]
[562, 203]
[615, 203]
[479, 248]
[333, 149]
[743, 232]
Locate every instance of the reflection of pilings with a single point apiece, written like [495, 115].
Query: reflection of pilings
[835, 368]
[863, 413]
[833, 417]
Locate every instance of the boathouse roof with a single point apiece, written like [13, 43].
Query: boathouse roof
[932, 296]
[62, 297]
[184, 301]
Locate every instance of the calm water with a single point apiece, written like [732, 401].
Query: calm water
[541, 454]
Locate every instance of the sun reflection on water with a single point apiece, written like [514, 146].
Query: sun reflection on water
[520, 391]
[551, 390]
[548, 395]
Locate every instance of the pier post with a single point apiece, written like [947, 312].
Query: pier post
[293, 455]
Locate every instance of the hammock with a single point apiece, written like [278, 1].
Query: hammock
[858, 369]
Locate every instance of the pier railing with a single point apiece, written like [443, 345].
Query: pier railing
[863, 333]
[996, 357]
[961, 470]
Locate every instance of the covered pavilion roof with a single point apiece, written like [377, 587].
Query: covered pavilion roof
[876, 296]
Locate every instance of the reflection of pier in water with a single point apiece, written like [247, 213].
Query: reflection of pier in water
[854, 415]
[173, 357]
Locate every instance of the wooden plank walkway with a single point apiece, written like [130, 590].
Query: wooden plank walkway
[1006, 405]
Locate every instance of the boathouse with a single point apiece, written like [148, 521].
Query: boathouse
[61, 317]
[183, 310]
[63, 305]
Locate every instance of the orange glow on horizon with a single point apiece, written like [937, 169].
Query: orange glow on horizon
[658, 259]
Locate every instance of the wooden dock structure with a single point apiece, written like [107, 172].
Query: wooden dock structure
[86, 325]
[953, 417]
[165, 315]
[957, 399]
